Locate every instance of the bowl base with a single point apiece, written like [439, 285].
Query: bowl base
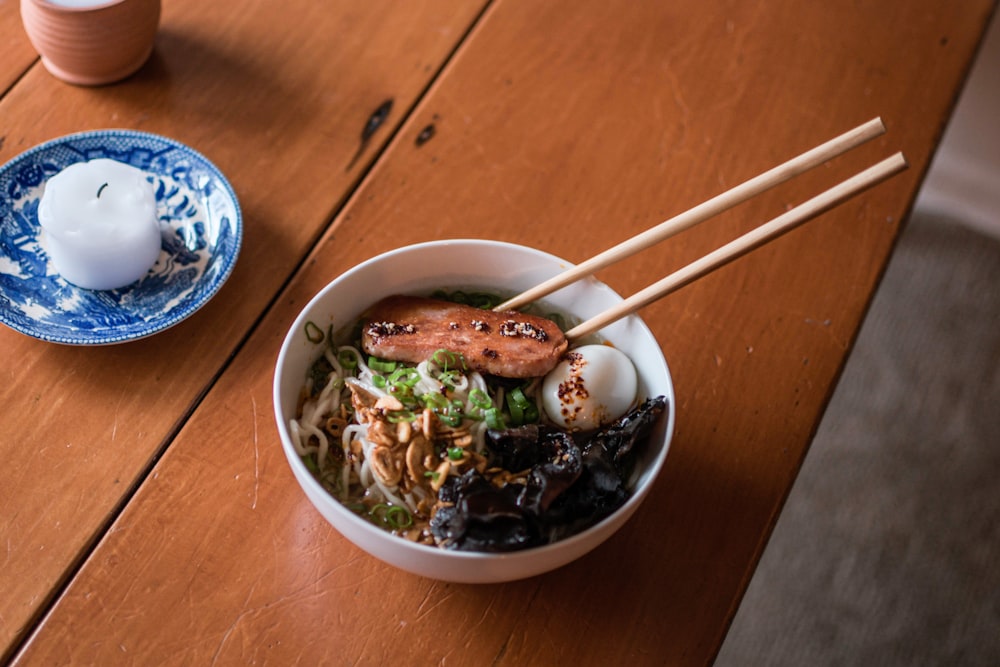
[97, 79]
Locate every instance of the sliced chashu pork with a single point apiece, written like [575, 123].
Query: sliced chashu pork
[508, 344]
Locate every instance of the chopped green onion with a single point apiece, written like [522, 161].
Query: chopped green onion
[313, 333]
[331, 479]
[396, 416]
[432, 474]
[402, 392]
[447, 359]
[308, 460]
[516, 413]
[347, 359]
[517, 396]
[434, 400]
[480, 399]
[398, 517]
[451, 419]
[483, 300]
[357, 508]
[381, 365]
[404, 375]
[522, 410]
[458, 296]
[442, 357]
[455, 453]
[449, 378]
[393, 516]
[494, 419]
[378, 381]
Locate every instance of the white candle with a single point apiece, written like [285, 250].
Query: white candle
[99, 224]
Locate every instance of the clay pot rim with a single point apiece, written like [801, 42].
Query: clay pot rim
[49, 6]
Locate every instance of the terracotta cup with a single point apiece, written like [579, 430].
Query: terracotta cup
[91, 42]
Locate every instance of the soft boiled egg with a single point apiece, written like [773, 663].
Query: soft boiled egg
[591, 386]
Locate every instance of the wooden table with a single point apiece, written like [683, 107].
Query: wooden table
[148, 515]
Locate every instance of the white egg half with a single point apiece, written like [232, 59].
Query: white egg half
[592, 386]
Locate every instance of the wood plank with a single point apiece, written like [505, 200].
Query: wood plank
[16, 53]
[567, 126]
[276, 95]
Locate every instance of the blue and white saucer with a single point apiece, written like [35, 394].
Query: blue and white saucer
[202, 232]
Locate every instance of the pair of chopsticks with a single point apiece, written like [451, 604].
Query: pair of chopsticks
[734, 249]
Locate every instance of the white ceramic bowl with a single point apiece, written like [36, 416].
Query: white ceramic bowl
[486, 265]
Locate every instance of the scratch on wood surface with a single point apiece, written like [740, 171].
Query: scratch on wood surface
[121, 398]
[825, 325]
[232, 626]
[678, 98]
[486, 612]
[256, 455]
[437, 602]
[118, 405]
[427, 595]
[314, 586]
[501, 651]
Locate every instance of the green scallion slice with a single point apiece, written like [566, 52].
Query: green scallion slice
[450, 418]
[396, 416]
[450, 378]
[515, 411]
[313, 333]
[494, 419]
[480, 399]
[435, 401]
[404, 375]
[447, 359]
[381, 365]
[347, 359]
[517, 396]
[398, 517]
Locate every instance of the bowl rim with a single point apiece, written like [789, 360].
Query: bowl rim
[303, 476]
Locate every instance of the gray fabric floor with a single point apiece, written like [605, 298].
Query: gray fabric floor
[888, 549]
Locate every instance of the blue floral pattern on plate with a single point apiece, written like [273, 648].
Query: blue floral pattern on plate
[202, 232]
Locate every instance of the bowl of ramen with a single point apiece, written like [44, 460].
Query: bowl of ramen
[462, 442]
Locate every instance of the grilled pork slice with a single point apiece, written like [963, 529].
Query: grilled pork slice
[509, 344]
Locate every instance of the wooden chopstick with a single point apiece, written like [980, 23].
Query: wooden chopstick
[703, 211]
[744, 244]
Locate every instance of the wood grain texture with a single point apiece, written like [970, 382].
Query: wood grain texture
[16, 53]
[568, 126]
[280, 112]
